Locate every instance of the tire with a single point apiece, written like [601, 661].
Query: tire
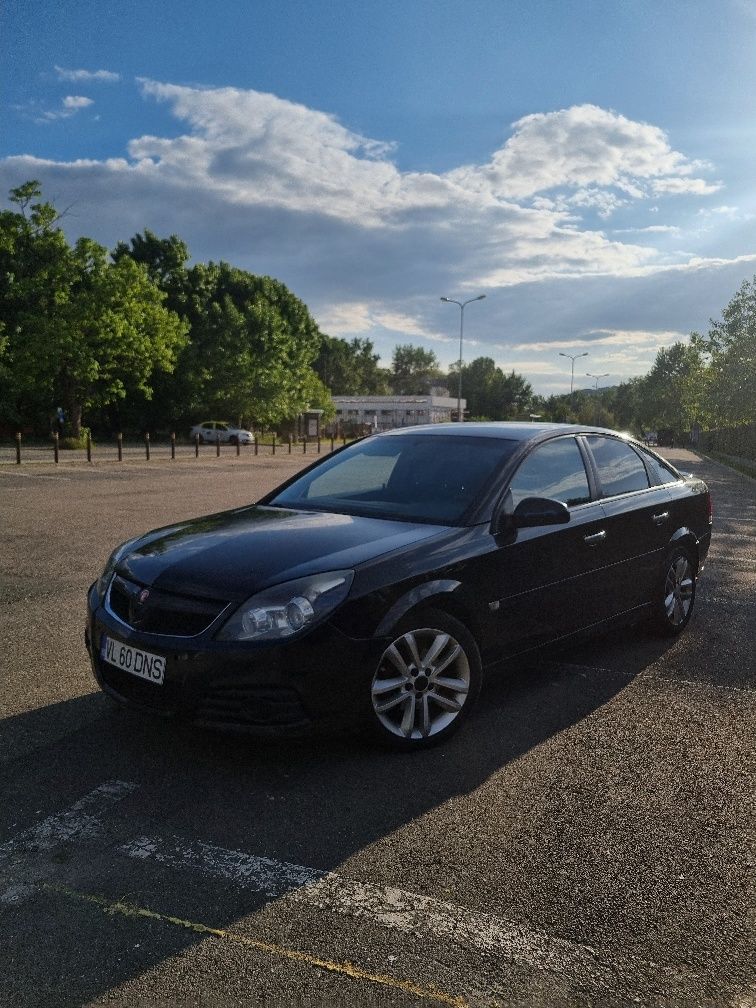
[201, 439]
[233, 439]
[675, 593]
[413, 705]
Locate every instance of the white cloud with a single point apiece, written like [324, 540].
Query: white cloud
[606, 337]
[586, 149]
[76, 102]
[68, 107]
[87, 76]
[650, 229]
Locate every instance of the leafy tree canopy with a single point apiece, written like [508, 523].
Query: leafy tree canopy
[413, 370]
[81, 330]
[350, 367]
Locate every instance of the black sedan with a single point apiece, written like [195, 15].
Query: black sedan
[378, 586]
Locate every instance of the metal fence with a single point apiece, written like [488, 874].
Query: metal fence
[22, 450]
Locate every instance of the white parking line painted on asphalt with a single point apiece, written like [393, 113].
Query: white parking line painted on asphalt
[26, 475]
[79, 822]
[390, 907]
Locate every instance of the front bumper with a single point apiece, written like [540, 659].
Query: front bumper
[320, 680]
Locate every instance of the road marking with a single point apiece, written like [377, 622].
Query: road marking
[344, 968]
[27, 475]
[77, 823]
[387, 906]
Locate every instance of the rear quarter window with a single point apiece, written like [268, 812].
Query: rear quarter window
[620, 470]
[660, 471]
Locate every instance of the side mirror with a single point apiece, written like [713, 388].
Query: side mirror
[533, 512]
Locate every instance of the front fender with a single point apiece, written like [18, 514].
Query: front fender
[410, 599]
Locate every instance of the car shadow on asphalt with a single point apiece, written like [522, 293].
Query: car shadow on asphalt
[317, 802]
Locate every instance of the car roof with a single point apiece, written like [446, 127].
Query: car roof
[507, 430]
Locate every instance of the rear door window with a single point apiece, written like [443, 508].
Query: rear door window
[553, 470]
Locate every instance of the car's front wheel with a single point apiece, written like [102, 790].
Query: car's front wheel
[426, 682]
[673, 605]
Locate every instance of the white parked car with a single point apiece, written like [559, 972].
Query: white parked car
[211, 431]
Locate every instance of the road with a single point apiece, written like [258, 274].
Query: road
[588, 839]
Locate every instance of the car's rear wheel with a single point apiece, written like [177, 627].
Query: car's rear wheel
[676, 593]
[233, 439]
[426, 682]
[201, 439]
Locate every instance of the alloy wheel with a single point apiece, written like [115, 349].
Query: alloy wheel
[422, 684]
[678, 590]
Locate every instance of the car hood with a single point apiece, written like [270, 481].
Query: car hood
[234, 554]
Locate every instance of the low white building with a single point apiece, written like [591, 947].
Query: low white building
[386, 412]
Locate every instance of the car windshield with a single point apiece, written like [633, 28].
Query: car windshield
[412, 477]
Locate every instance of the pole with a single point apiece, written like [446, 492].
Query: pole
[480, 297]
[459, 376]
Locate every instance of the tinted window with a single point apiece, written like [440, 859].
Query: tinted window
[416, 477]
[553, 470]
[660, 471]
[619, 468]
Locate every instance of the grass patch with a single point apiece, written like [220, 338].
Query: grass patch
[744, 466]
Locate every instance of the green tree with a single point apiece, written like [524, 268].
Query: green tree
[729, 396]
[350, 368]
[251, 346]
[670, 394]
[490, 393]
[81, 330]
[413, 370]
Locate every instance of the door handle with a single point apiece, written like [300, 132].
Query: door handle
[596, 538]
[659, 519]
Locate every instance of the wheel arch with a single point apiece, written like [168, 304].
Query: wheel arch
[686, 538]
[439, 594]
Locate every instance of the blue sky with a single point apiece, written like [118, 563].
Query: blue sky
[586, 165]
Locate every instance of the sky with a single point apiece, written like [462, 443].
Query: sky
[587, 165]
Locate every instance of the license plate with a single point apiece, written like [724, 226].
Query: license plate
[130, 659]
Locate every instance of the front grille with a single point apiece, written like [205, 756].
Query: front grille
[166, 698]
[153, 611]
[234, 703]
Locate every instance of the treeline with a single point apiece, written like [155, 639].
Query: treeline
[136, 339]
[709, 382]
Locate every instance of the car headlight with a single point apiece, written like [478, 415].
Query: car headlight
[288, 608]
[103, 582]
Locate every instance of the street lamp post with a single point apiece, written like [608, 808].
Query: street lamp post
[595, 402]
[573, 359]
[461, 332]
[596, 378]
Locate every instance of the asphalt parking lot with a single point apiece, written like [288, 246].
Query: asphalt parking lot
[588, 839]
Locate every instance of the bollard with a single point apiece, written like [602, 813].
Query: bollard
[147, 445]
[332, 442]
[255, 444]
[343, 439]
[238, 447]
[304, 445]
[173, 444]
[120, 447]
[56, 446]
[274, 444]
[318, 445]
[217, 447]
[89, 447]
[196, 445]
[290, 440]
[18, 447]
